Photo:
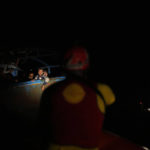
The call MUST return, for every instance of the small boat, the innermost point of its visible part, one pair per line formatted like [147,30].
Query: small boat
[24,97]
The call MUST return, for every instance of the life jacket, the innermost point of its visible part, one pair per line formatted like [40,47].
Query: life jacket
[77,112]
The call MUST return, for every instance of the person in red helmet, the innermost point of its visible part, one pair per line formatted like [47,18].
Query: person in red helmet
[72,111]
[76,59]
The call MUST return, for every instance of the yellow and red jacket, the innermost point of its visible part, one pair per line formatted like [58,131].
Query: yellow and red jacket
[77,112]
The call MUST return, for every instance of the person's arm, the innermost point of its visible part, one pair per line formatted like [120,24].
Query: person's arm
[107,93]
[46,83]
[36,77]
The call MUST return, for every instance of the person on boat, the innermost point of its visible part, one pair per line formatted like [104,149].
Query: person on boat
[46,80]
[40,75]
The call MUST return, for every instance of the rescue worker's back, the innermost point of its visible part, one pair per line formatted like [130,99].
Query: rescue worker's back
[74,109]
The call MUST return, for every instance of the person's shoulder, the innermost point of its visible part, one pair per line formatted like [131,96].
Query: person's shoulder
[107,92]
[103,85]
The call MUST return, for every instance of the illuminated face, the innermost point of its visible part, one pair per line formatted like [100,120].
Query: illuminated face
[40,72]
[31,75]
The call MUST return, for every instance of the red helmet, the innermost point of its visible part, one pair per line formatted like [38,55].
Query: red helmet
[76,59]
